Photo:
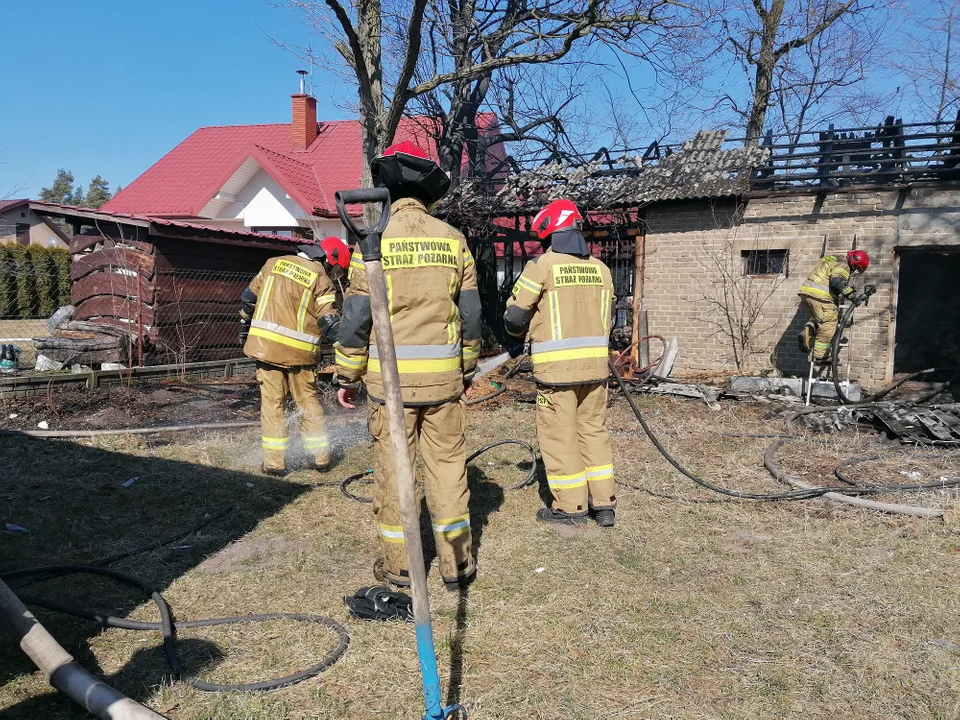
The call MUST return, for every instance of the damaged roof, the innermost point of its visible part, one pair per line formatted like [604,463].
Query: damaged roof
[699,168]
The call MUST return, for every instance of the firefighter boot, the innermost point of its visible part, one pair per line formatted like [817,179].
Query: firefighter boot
[558,517]
[606,518]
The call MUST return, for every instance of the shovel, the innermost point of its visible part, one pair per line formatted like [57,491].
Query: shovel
[369,241]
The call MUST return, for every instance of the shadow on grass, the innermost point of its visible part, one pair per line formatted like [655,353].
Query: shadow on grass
[72,501]
[486,497]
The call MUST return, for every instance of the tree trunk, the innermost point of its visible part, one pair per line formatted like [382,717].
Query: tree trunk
[761,101]
[373,117]
[766,64]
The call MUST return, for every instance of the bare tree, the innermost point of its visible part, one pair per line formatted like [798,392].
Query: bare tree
[382,43]
[930,59]
[738,300]
[765,37]
[824,81]
[12,190]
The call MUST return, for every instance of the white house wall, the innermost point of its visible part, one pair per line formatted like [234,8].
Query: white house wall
[263,203]
[325,227]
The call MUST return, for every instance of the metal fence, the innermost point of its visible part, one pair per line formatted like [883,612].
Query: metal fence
[115,315]
[501,257]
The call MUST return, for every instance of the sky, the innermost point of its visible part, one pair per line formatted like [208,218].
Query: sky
[110,86]
[108,92]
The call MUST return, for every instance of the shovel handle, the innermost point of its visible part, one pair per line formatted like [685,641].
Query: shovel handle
[368,238]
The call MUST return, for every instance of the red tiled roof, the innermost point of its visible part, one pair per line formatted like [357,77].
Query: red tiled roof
[186,178]
[10,204]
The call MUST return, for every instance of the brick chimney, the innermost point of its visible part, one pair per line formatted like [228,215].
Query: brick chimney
[304,127]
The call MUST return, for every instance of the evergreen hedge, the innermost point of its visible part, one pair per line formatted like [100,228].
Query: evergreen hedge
[34,281]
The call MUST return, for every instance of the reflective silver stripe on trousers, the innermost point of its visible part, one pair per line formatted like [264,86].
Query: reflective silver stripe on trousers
[285,331]
[569,344]
[421,352]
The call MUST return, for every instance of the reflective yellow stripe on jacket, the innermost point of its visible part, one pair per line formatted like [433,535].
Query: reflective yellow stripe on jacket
[570,349]
[284,336]
[420,358]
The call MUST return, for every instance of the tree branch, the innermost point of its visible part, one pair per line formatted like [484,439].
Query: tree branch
[817,30]
[402,92]
[359,62]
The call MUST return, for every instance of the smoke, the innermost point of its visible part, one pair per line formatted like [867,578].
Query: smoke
[345,430]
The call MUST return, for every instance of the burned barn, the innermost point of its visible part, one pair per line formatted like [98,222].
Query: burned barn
[717,239]
[149,291]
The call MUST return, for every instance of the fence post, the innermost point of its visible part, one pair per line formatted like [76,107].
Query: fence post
[826,157]
[139,317]
[639,262]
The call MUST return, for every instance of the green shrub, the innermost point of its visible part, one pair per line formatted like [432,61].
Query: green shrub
[45,280]
[26,281]
[61,261]
[34,281]
[8,284]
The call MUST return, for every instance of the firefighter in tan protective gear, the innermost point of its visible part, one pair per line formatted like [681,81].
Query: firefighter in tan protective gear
[565,297]
[284,314]
[821,292]
[435,314]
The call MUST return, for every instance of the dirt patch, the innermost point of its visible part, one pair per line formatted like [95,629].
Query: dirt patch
[142,405]
[262,553]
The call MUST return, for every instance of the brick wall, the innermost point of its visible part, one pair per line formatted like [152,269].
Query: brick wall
[693,279]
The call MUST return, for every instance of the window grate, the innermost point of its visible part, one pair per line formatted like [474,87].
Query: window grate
[766,262]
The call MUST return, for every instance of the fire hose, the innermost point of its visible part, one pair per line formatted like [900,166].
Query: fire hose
[836,345]
[528,479]
[804,491]
[168,627]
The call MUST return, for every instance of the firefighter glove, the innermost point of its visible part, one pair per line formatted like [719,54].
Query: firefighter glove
[244,330]
[516,350]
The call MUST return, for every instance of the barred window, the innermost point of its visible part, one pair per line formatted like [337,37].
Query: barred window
[766,262]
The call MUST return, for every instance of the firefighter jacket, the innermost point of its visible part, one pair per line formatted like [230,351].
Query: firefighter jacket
[567,301]
[434,311]
[829,280]
[292,294]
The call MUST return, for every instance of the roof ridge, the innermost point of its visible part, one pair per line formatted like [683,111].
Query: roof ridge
[282,155]
[245,125]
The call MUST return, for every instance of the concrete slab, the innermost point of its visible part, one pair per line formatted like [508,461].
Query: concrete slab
[792,386]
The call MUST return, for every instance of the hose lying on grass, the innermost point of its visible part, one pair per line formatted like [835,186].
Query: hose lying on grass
[804,491]
[528,479]
[168,627]
[62,671]
[132,431]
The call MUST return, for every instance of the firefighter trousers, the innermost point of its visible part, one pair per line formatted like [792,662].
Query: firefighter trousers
[824,314]
[575,445]
[275,384]
[437,431]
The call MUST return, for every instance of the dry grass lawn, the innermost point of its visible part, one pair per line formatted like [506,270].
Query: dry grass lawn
[692,607]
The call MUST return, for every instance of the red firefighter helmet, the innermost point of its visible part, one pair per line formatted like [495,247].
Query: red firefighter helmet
[558,215]
[407,148]
[337,252]
[858,260]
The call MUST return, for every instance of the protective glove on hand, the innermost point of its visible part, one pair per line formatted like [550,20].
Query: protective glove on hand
[516,350]
[244,330]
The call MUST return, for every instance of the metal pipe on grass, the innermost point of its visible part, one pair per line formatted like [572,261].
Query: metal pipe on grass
[58,665]
[369,240]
